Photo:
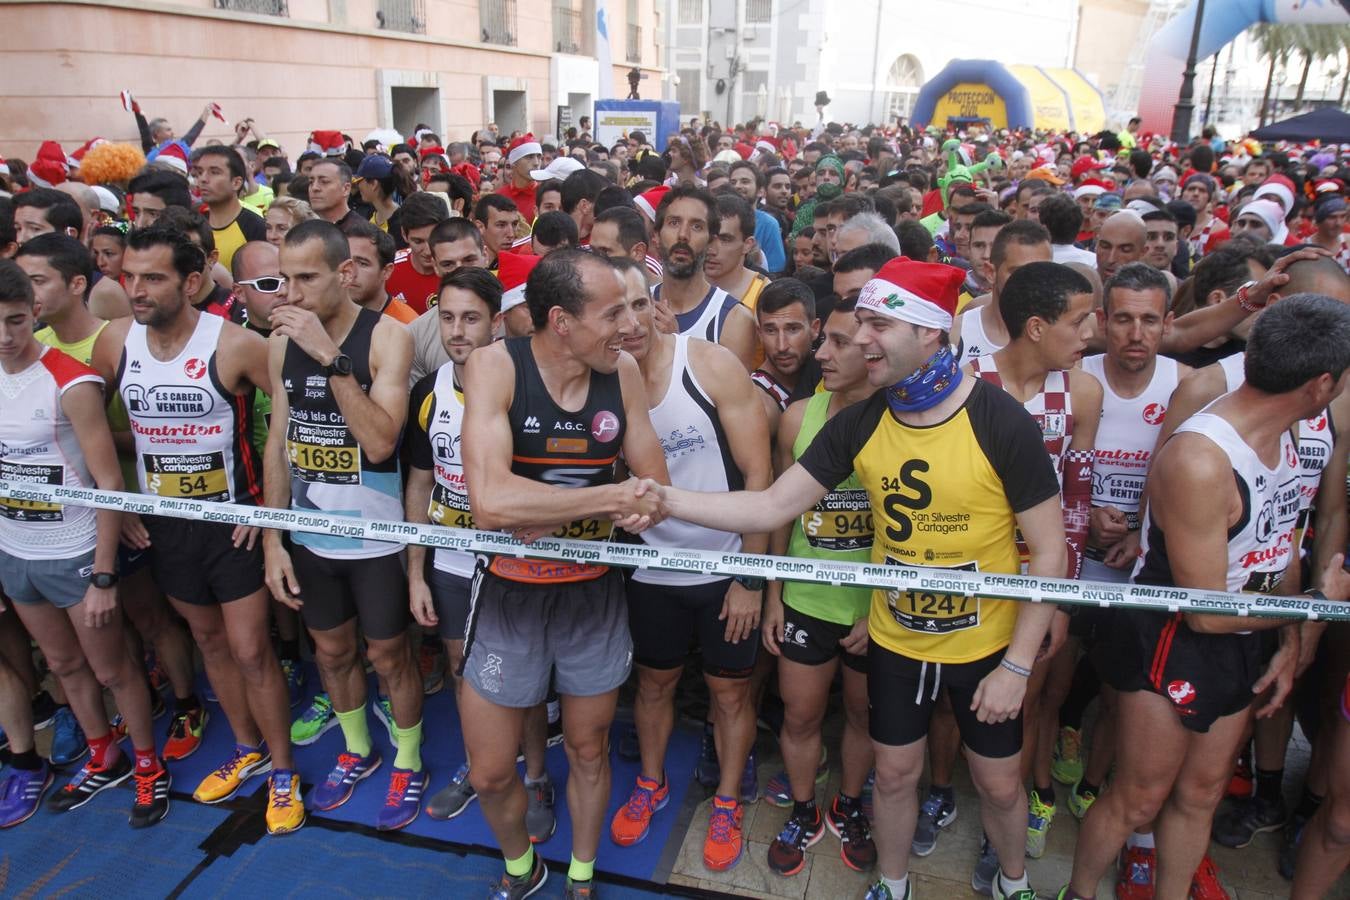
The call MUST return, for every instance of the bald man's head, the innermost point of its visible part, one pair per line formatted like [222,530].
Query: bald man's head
[255,260]
[1322,275]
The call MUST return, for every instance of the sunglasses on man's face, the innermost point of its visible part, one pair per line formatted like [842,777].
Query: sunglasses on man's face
[268,284]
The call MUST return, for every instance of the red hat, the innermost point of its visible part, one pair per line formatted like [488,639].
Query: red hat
[88,145]
[744,149]
[648,201]
[50,167]
[921,293]
[521,147]
[1084,164]
[469,171]
[1280,186]
[174,155]
[513,270]
[327,143]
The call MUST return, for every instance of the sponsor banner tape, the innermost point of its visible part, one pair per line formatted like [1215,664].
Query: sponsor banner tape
[642,556]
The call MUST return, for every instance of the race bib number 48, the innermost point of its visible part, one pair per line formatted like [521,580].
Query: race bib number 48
[449,508]
[323,454]
[934,611]
[199,476]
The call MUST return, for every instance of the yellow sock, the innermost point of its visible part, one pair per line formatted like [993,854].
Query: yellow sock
[581,871]
[521,865]
[356,730]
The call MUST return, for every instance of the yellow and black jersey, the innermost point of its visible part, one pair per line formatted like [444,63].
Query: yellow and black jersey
[942,495]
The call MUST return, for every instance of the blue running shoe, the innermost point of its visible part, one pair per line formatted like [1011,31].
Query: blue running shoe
[403,801]
[337,788]
[21,793]
[295,680]
[68,741]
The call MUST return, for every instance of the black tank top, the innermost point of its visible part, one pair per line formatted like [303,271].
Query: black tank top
[564,449]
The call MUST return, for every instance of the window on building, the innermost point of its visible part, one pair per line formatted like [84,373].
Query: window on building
[262,7]
[497,19]
[758,10]
[634,32]
[690,91]
[402,15]
[691,12]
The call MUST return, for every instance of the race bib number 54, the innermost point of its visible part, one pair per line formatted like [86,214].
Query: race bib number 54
[199,476]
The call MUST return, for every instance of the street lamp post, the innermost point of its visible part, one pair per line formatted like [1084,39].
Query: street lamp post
[1185,108]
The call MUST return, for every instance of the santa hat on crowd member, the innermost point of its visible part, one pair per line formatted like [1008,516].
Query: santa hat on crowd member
[648,201]
[1085,164]
[469,172]
[744,149]
[521,147]
[1268,211]
[1278,186]
[1328,186]
[1089,190]
[51,166]
[327,143]
[513,270]
[108,201]
[174,155]
[78,156]
[921,293]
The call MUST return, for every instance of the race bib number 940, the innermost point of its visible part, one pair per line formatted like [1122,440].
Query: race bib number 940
[842,521]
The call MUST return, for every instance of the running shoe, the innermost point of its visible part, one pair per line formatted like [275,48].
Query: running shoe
[1067,765]
[454,798]
[155,672]
[555,734]
[986,869]
[225,782]
[540,820]
[21,793]
[337,788]
[879,891]
[384,711]
[1002,893]
[750,779]
[580,890]
[1039,816]
[1289,841]
[185,733]
[285,812]
[1135,879]
[294,672]
[316,721]
[1205,883]
[1242,782]
[787,853]
[69,745]
[707,771]
[152,798]
[723,846]
[90,781]
[403,800]
[431,665]
[856,848]
[937,812]
[44,710]
[1239,824]
[778,792]
[1080,801]
[512,887]
[634,819]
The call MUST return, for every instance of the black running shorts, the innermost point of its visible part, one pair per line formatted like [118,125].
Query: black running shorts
[334,591]
[197,562]
[667,620]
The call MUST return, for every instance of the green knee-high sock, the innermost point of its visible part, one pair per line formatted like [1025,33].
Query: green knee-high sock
[409,747]
[356,730]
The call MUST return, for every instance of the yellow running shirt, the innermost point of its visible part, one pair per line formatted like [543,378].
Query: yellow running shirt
[942,495]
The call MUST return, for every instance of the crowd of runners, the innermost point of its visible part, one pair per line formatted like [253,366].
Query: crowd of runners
[1104,357]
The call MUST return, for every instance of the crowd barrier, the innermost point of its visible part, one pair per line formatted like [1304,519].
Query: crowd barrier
[887,577]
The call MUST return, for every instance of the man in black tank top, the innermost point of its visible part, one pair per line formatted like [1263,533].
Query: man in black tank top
[545,419]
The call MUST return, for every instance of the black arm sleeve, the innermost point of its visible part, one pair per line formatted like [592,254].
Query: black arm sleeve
[1012,442]
[829,458]
[415,437]
[143,126]
[194,132]
[252,225]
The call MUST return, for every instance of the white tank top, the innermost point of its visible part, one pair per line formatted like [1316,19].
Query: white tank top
[192,435]
[1260,542]
[699,459]
[975,341]
[449,504]
[37,443]
[1126,436]
[1051,407]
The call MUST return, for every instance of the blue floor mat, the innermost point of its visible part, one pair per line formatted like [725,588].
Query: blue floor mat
[91,851]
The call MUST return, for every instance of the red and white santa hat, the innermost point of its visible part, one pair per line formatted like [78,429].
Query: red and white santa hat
[327,143]
[51,166]
[174,155]
[513,270]
[1279,186]
[921,293]
[648,201]
[521,147]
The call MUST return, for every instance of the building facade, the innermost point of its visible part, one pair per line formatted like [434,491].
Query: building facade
[295,66]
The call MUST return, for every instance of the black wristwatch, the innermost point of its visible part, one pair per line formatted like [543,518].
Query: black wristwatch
[103,579]
[341,365]
[749,582]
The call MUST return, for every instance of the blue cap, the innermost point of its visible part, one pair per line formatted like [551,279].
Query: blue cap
[375,167]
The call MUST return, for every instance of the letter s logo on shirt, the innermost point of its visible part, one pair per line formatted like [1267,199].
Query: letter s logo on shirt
[896,503]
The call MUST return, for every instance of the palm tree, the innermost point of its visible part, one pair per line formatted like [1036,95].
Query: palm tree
[1316,43]
[1275,43]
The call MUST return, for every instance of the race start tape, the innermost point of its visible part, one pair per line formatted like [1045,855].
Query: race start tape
[641,556]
